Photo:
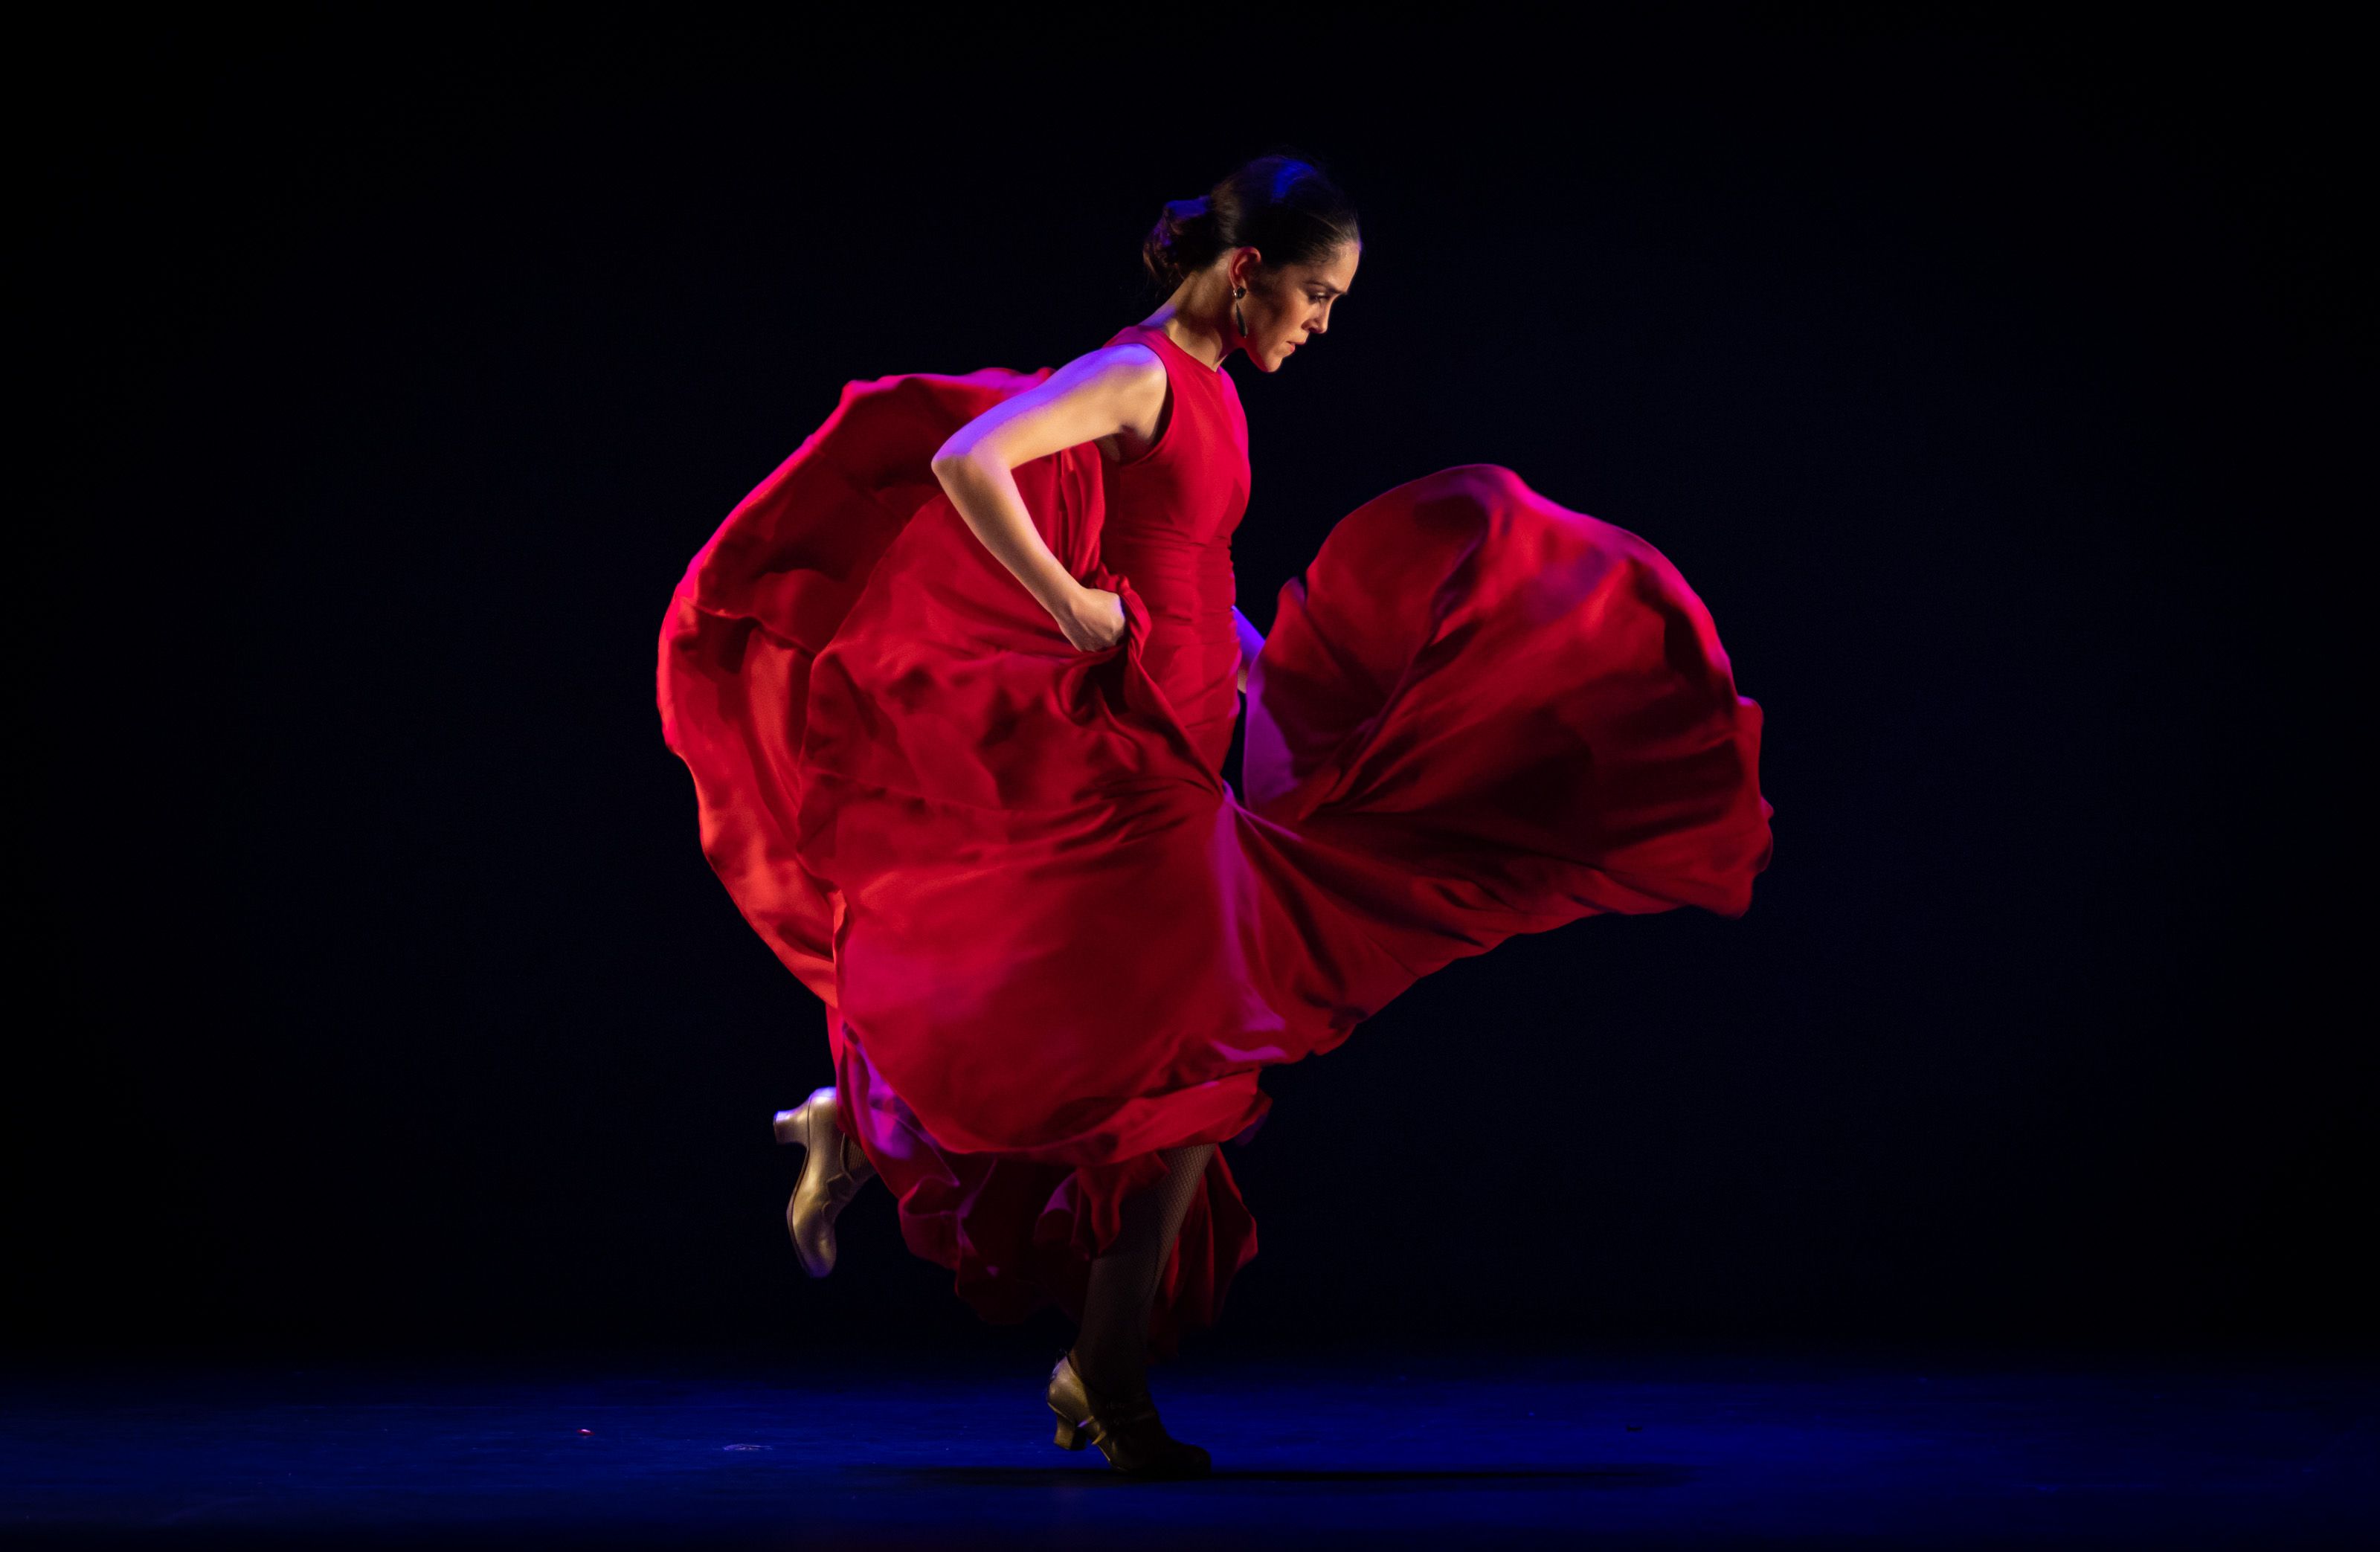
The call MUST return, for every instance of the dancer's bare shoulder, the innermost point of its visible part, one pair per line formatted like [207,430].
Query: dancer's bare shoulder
[1114,396]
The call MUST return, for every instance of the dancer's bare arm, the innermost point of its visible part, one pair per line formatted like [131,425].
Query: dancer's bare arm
[1121,388]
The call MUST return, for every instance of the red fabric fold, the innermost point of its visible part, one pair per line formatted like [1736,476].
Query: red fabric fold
[1050,939]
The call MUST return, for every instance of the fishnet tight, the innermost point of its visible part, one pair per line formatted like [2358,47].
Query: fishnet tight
[1111,1347]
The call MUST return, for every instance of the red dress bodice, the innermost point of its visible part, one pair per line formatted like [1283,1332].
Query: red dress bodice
[1171,514]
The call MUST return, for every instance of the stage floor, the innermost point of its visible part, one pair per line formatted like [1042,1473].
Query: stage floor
[1365,1450]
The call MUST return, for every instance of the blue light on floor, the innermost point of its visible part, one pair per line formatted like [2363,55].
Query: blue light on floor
[1386,1449]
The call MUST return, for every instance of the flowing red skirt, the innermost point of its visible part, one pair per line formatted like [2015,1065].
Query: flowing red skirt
[1050,937]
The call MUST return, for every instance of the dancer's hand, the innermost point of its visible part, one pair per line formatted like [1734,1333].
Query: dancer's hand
[1094,619]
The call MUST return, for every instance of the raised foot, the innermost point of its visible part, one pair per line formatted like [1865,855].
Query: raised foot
[830,1178]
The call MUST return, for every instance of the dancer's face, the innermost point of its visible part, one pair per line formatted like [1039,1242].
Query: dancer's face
[1287,307]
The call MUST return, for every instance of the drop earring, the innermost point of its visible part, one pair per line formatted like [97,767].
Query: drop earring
[1237,292]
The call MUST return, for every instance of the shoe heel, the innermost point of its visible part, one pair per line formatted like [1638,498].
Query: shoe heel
[793,1125]
[1069,1437]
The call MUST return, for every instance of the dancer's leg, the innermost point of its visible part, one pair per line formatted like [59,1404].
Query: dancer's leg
[1111,1347]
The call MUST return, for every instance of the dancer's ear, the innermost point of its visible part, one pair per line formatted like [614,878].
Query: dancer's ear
[1241,269]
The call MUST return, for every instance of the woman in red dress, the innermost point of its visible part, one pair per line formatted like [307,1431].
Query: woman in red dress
[955,684]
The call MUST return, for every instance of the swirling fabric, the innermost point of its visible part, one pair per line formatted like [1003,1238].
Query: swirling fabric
[1049,936]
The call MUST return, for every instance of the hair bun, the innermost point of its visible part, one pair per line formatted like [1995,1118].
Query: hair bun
[1181,216]
[1173,246]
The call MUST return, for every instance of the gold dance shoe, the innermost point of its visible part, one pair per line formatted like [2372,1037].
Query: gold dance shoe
[1127,1429]
[833,1171]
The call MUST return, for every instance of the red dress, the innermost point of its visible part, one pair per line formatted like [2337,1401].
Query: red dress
[1050,937]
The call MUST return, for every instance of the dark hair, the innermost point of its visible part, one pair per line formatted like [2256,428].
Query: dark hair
[1282,206]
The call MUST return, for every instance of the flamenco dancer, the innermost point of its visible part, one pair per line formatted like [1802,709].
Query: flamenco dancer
[955,684]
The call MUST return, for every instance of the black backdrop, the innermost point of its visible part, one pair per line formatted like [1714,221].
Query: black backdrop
[1991,382]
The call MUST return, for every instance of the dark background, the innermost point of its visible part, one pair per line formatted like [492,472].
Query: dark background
[1996,383]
